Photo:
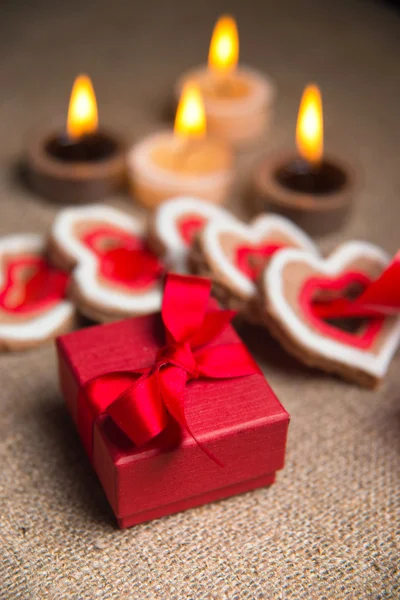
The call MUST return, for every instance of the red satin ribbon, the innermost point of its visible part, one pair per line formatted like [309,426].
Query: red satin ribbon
[141,408]
[380,298]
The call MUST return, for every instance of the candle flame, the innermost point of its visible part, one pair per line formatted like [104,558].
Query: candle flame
[310,128]
[82,111]
[190,120]
[224,47]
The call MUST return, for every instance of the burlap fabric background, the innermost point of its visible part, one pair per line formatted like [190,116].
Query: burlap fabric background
[329,528]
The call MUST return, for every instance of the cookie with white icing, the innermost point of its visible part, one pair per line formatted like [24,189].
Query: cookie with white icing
[33,304]
[174,225]
[233,254]
[114,273]
[359,350]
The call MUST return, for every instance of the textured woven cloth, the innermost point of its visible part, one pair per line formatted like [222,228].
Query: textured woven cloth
[329,527]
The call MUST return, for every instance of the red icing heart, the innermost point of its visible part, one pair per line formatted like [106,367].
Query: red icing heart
[123,258]
[189,227]
[251,259]
[31,284]
[336,288]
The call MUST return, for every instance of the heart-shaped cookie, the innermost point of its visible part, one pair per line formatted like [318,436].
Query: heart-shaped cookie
[33,307]
[234,254]
[114,273]
[294,282]
[174,225]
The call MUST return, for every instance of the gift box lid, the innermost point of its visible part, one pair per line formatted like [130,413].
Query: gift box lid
[240,420]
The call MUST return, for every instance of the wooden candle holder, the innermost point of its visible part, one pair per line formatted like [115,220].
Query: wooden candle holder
[76,172]
[318,200]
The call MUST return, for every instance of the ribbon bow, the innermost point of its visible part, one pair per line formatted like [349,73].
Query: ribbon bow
[141,410]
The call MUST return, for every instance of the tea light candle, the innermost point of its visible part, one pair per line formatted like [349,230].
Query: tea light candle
[237,100]
[183,161]
[310,188]
[84,163]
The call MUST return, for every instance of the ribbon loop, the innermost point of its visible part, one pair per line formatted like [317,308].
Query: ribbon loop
[139,411]
[184,305]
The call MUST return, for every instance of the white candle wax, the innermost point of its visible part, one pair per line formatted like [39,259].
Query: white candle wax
[164,165]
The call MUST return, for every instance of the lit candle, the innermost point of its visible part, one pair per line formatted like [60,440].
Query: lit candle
[183,161]
[80,164]
[311,188]
[237,100]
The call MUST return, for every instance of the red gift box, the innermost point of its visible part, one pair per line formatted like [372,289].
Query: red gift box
[237,420]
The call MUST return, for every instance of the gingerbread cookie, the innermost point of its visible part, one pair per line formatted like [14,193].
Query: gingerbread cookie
[234,254]
[33,308]
[114,274]
[174,225]
[295,284]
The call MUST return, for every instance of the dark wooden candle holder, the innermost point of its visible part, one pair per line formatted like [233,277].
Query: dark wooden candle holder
[76,171]
[317,199]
